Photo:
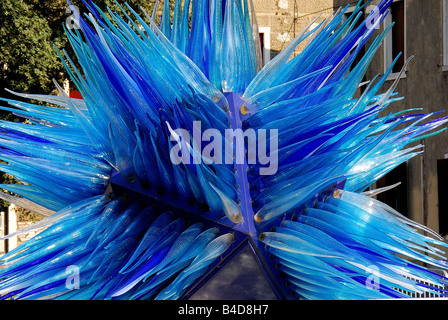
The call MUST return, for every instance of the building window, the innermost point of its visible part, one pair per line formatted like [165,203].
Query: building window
[445,35]
[397,197]
[265,41]
[442,185]
[362,51]
[395,41]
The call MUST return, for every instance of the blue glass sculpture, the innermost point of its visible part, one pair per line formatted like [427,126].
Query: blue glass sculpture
[149,188]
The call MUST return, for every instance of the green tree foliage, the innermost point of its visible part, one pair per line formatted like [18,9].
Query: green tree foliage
[27,59]
[29,30]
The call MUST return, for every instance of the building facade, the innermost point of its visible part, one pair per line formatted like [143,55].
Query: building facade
[279,21]
[421,31]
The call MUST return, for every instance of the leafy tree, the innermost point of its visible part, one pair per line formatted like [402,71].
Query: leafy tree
[27,58]
[28,31]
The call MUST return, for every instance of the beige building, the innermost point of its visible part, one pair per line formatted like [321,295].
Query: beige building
[421,30]
[280,20]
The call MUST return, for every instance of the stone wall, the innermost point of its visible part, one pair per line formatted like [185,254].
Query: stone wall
[425,85]
[26,236]
[18,218]
[286,18]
